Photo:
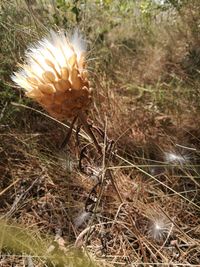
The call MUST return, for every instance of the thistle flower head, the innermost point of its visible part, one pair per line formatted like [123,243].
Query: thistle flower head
[54,74]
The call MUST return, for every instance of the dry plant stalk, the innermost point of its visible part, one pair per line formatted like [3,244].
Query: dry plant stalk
[54,75]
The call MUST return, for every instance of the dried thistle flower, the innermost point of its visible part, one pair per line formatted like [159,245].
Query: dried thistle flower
[54,74]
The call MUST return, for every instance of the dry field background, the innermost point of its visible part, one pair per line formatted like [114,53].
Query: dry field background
[144,64]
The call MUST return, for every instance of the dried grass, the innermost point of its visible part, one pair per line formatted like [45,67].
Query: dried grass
[136,217]
[145,210]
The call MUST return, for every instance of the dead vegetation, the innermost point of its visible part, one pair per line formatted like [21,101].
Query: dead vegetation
[135,207]
[138,204]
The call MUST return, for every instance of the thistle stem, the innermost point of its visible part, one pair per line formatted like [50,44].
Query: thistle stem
[69,133]
[83,120]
